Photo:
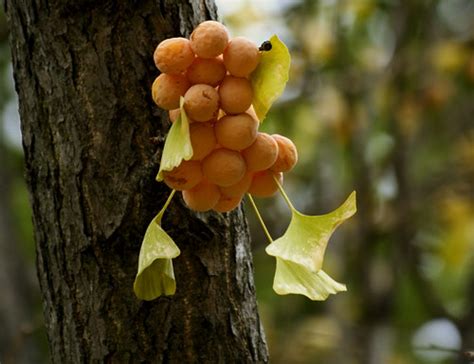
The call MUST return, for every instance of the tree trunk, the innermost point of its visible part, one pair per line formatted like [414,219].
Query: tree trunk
[83,72]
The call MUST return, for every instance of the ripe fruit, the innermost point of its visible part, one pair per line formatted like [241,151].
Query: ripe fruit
[187,175]
[235,94]
[287,154]
[236,132]
[263,184]
[262,154]
[239,188]
[202,197]
[201,102]
[167,89]
[230,157]
[209,39]
[226,204]
[209,71]
[241,57]
[173,55]
[203,140]
[224,167]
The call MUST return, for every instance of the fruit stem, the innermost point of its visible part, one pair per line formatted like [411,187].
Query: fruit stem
[283,193]
[260,219]
[165,206]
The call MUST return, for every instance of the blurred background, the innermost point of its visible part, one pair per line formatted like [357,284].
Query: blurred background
[381,101]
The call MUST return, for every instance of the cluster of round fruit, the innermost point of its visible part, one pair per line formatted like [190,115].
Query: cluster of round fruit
[230,156]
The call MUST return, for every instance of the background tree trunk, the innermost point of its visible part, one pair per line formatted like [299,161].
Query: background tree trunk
[83,72]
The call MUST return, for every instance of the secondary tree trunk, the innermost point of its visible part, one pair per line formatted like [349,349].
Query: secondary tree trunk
[83,73]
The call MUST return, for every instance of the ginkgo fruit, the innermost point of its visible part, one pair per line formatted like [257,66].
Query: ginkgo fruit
[224,167]
[173,55]
[236,132]
[209,71]
[187,175]
[202,197]
[262,154]
[235,94]
[239,188]
[203,139]
[287,154]
[241,57]
[201,102]
[263,183]
[209,39]
[167,89]
[226,203]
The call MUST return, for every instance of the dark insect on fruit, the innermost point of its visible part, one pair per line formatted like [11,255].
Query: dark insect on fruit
[266,46]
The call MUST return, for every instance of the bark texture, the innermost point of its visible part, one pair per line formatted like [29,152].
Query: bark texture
[83,72]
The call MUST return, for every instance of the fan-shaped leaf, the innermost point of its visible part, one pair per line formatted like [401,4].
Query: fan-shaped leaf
[177,144]
[292,278]
[270,77]
[155,275]
[306,238]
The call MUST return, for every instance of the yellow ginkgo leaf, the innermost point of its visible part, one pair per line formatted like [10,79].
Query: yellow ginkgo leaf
[270,77]
[177,144]
[292,278]
[155,275]
[306,238]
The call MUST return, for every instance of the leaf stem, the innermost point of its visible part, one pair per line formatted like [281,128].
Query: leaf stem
[260,219]
[283,193]
[165,206]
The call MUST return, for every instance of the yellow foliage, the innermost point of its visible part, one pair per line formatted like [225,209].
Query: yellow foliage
[457,247]
[449,56]
[408,116]
[319,41]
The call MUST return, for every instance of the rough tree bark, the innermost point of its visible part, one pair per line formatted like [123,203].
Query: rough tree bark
[83,72]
